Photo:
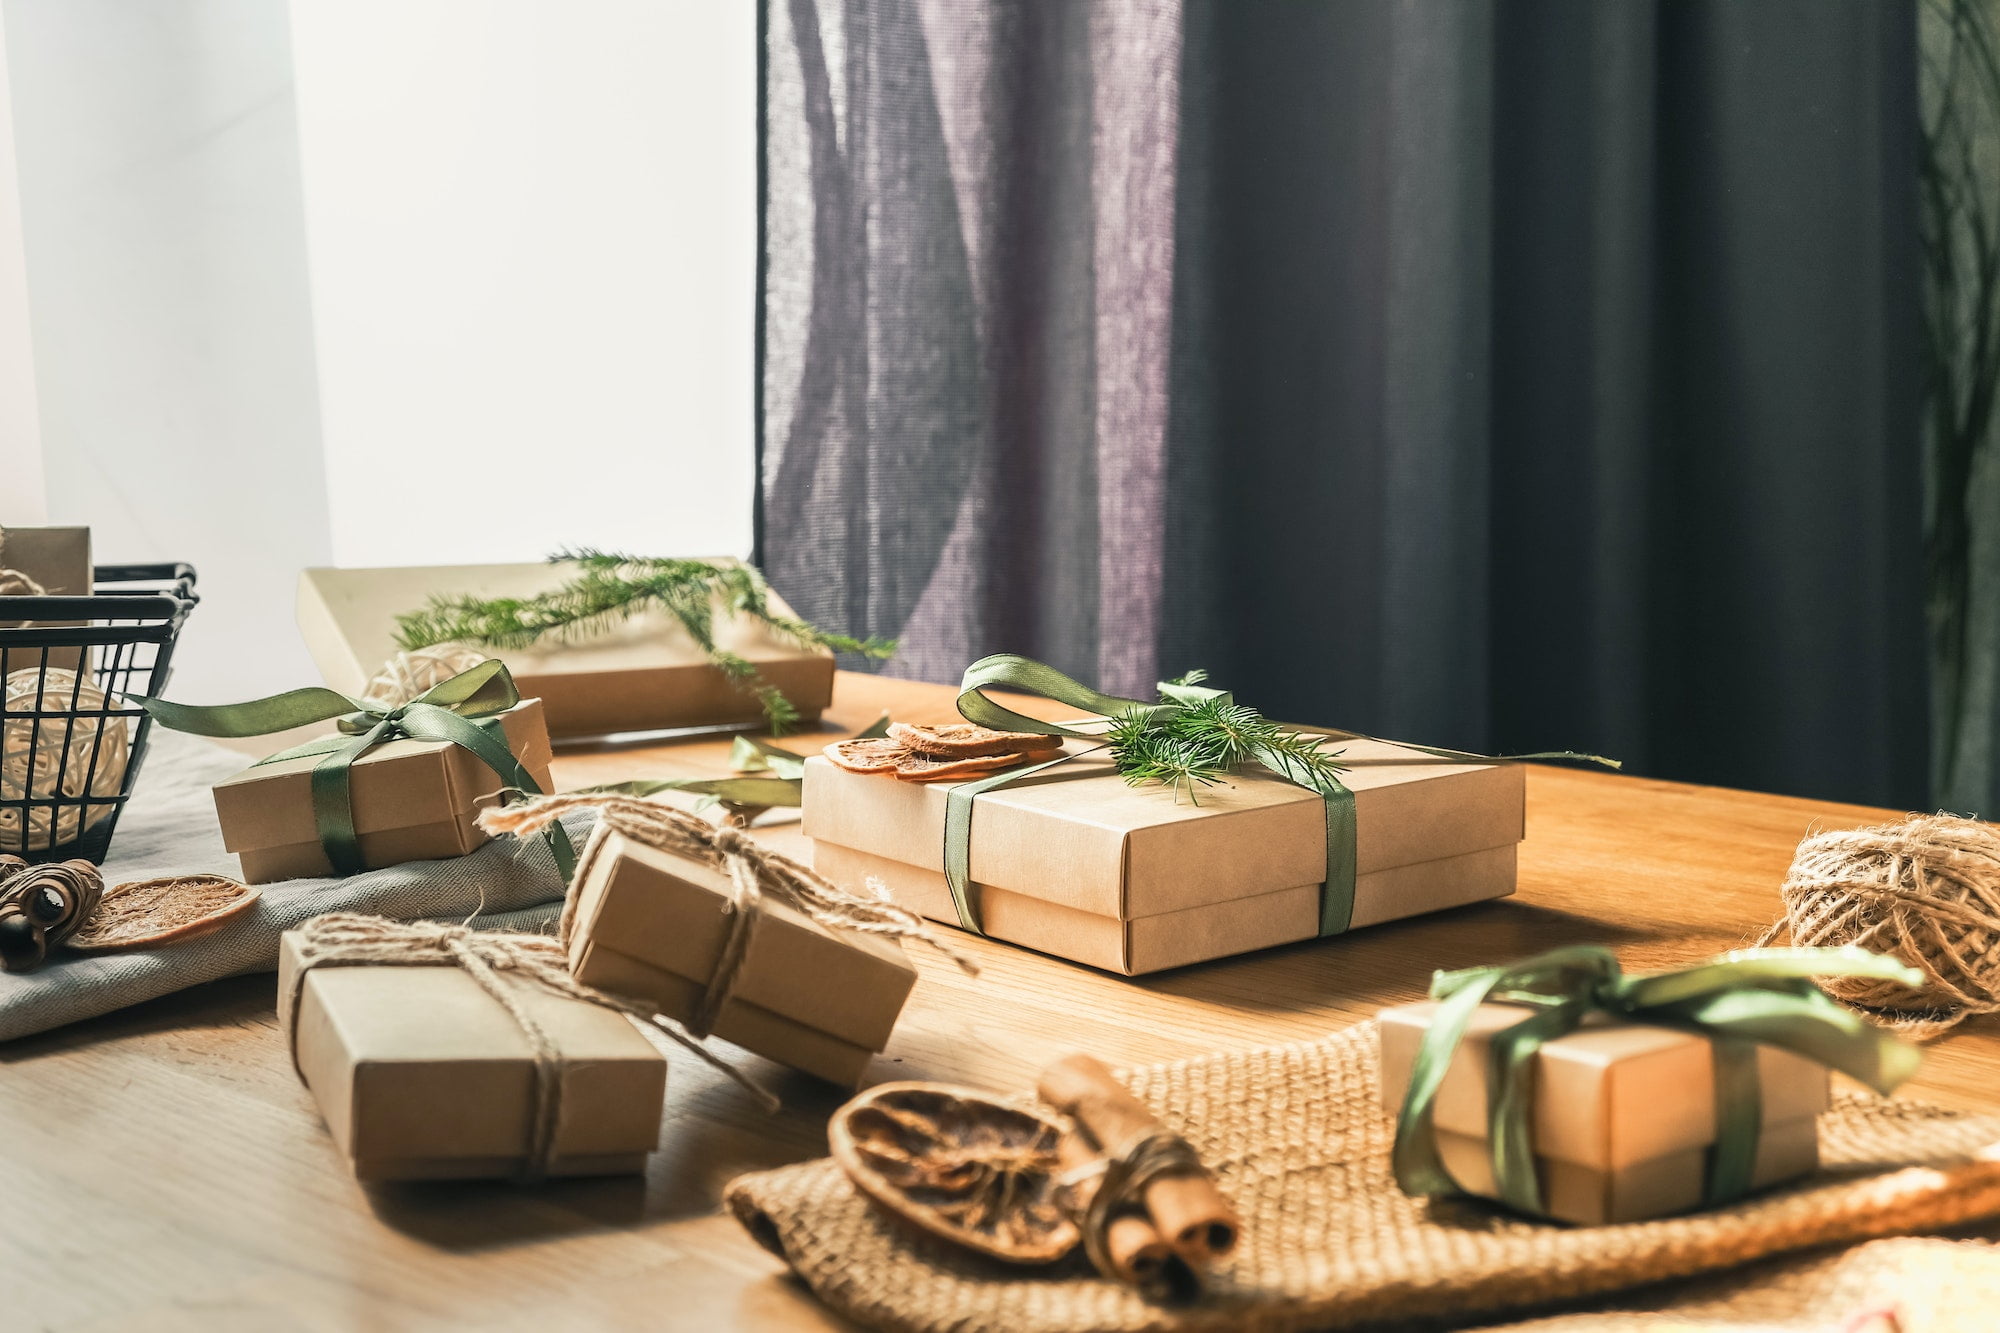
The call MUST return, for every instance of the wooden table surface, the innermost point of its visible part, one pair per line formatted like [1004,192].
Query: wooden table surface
[166,1171]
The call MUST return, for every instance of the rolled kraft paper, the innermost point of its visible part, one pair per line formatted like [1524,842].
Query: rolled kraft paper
[1187,1207]
[1139,1254]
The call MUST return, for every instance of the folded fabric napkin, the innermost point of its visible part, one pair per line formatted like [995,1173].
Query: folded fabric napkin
[169,829]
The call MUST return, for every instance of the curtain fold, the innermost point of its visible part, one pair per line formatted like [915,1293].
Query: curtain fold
[1501,376]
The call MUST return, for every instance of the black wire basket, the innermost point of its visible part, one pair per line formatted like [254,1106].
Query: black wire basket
[71,746]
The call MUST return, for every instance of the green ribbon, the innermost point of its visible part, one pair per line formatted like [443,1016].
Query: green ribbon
[1737,1000]
[463,711]
[768,777]
[1013,672]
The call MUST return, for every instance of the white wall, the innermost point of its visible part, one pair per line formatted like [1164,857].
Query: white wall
[167,298]
[23,496]
[533,236]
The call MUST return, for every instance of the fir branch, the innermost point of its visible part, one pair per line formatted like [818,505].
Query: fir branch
[609,588]
[1191,746]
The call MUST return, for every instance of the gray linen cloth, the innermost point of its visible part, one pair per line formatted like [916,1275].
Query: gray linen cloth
[169,828]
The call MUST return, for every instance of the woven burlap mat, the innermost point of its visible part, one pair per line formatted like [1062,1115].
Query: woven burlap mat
[1301,1144]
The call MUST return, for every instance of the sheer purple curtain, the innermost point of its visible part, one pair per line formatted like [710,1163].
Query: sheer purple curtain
[1512,376]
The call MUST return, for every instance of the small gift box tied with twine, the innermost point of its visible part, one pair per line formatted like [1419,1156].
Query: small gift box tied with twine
[1569,1089]
[1073,859]
[394,784]
[441,1052]
[729,937]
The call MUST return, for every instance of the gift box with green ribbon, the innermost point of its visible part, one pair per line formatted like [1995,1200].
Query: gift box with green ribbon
[1075,858]
[392,784]
[1569,1089]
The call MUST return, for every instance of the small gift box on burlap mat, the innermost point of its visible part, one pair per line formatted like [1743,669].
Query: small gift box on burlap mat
[1300,1142]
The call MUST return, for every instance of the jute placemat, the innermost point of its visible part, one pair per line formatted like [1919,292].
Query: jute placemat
[1299,1141]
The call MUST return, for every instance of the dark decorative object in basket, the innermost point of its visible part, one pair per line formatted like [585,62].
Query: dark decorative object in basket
[70,744]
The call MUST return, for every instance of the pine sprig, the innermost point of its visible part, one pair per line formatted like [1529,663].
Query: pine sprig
[611,587]
[1191,746]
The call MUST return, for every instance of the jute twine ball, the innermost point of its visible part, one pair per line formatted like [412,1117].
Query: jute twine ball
[407,675]
[33,764]
[13,583]
[1924,890]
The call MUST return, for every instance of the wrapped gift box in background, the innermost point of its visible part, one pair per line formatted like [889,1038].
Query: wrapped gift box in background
[412,800]
[652,924]
[1078,863]
[423,1075]
[58,562]
[645,674]
[1623,1114]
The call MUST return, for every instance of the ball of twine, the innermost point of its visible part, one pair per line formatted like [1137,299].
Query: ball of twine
[13,583]
[1924,890]
[35,765]
[408,674]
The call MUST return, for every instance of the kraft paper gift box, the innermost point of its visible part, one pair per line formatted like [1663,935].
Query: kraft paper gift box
[413,801]
[1077,863]
[1623,1114]
[645,675]
[422,1075]
[59,560]
[651,925]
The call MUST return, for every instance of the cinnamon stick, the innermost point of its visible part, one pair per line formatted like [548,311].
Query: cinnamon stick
[1135,1247]
[1185,1207]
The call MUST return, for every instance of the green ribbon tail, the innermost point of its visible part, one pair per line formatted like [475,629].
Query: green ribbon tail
[1739,1121]
[958,803]
[256,717]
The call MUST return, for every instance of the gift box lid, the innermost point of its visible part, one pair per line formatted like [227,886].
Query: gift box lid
[1081,836]
[419,1062]
[348,617]
[402,784]
[1606,1096]
[671,913]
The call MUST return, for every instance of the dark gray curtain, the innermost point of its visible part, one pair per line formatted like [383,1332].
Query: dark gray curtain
[1508,376]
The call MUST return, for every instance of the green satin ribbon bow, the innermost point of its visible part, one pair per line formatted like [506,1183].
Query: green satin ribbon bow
[1737,1000]
[1014,672]
[463,711]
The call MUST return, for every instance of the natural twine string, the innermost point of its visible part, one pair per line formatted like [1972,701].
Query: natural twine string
[753,870]
[13,583]
[1924,890]
[497,961]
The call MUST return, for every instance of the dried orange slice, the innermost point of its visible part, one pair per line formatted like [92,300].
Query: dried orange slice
[867,756]
[147,912]
[930,768]
[965,740]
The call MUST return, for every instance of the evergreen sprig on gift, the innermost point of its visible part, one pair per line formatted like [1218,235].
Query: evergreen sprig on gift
[611,587]
[1191,745]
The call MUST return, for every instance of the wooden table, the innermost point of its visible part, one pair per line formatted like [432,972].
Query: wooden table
[167,1172]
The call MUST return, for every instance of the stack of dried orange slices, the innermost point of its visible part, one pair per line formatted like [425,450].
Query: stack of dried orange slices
[942,753]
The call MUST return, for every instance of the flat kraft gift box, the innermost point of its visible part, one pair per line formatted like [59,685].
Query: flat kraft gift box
[652,925]
[58,559]
[1623,1114]
[422,1075]
[1078,863]
[413,801]
[645,675]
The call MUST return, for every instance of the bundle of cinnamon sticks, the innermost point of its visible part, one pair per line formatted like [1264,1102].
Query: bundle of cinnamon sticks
[1174,1222]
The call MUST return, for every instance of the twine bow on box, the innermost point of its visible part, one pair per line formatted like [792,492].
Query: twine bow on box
[755,873]
[463,711]
[499,961]
[1010,671]
[1737,1000]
